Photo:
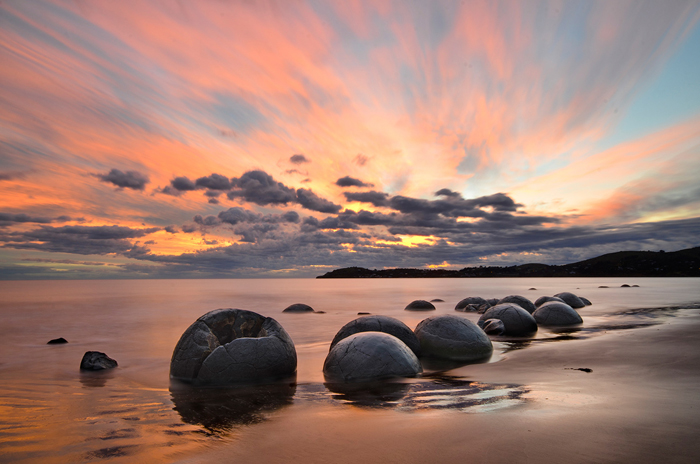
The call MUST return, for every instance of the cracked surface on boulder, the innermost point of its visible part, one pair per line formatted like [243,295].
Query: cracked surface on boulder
[367,356]
[377,323]
[473,301]
[516,320]
[554,313]
[571,299]
[454,338]
[228,346]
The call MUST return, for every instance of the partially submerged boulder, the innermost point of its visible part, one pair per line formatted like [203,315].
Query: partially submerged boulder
[571,299]
[57,341]
[516,320]
[228,346]
[474,301]
[554,313]
[383,324]
[586,301]
[96,361]
[368,356]
[420,305]
[521,301]
[298,308]
[543,299]
[452,337]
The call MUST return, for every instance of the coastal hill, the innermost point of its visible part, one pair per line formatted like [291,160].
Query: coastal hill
[682,263]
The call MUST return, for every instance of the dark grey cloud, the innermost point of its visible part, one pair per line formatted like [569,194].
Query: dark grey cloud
[260,188]
[236,215]
[299,159]
[170,229]
[348,181]
[214,182]
[361,160]
[311,224]
[182,184]
[448,193]
[189,228]
[12,175]
[129,179]
[7,219]
[207,221]
[375,198]
[309,200]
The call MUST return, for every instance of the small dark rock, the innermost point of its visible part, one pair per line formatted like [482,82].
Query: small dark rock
[361,313]
[635,285]
[533,288]
[603,286]
[57,341]
[420,305]
[586,301]
[320,312]
[96,361]
[544,299]
[298,308]
[437,300]
[582,369]
[624,286]
[571,299]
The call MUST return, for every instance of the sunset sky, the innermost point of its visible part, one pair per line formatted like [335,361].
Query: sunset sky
[290,138]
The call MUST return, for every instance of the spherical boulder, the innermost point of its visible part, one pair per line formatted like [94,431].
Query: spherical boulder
[474,301]
[298,308]
[585,301]
[554,313]
[228,346]
[492,301]
[452,337]
[96,361]
[420,305]
[368,356]
[516,320]
[543,299]
[376,323]
[494,327]
[521,301]
[571,299]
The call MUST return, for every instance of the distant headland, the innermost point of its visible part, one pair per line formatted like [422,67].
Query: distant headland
[682,263]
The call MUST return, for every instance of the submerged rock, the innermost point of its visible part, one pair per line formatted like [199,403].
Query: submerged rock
[454,338]
[367,356]
[227,346]
[474,301]
[571,299]
[96,361]
[57,341]
[383,324]
[543,299]
[298,308]
[521,301]
[420,305]
[554,313]
[516,320]
[494,327]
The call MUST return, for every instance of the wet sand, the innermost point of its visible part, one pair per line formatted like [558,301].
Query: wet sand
[639,403]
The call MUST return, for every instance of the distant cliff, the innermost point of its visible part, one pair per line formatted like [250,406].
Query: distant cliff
[683,263]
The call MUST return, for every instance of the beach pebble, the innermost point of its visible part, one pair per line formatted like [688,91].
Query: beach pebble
[494,327]
[554,313]
[571,299]
[227,346]
[475,301]
[57,341]
[543,299]
[521,301]
[420,305]
[96,361]
[383,324]
[516,320]
[367,356]
[298,308]
[454,338]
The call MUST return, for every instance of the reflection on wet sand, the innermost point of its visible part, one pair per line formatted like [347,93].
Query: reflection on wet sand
[95,379]
[219,409]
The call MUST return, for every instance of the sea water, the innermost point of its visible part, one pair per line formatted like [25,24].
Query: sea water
[50,411]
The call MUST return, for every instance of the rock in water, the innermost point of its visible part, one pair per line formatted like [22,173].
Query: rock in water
[571,299]
[494,327]
[476,301]
[521,301]
[57,341]
[454,338]
[298,308]
[420,305]
[228,346]
[367,356]
[516,320]
[543,299]
[96,361]
[383,324]
[585,301]
[554,313]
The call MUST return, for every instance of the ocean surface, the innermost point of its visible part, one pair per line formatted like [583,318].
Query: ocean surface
[50,411]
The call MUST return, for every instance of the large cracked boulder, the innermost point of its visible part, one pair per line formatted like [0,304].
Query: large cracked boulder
[521,301]
[554,313]
[452,337]
[420,305]
[516,320]
[368,356]
[228,346]
[383,324]
[571,299]
[544,299]
[470,301]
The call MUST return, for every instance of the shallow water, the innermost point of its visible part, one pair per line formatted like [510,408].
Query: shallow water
[51,412]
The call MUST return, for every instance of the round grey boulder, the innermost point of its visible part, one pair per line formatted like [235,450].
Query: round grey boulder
[521,301]
[571,299]
[298,308]
[383,324]
[492,301]
[494,327]
[554,313]
[585,301]
[543,299]
[420,305]
[516,320]
[96,361]
[474,301]
[368,356]
[452,337]
[228,346]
